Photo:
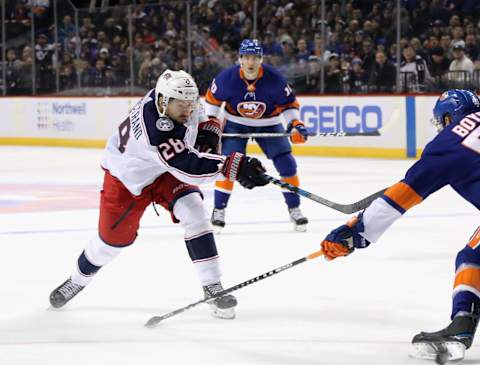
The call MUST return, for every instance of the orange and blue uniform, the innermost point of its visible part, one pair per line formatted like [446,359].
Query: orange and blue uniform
[451,158]
[255,106]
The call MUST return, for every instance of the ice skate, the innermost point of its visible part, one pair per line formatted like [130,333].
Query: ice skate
[218,220]
[448,344]
[222,307]
[299,220]
[64,293]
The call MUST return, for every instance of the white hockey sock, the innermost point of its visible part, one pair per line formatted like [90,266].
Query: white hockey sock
[98,254]
[208,271]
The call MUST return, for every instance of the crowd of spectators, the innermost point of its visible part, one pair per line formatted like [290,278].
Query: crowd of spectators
[439,44]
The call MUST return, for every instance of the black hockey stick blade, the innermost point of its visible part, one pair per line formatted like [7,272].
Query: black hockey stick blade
[344,208]
[155,320]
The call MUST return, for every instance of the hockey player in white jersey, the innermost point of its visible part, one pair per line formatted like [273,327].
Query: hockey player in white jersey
[155,158]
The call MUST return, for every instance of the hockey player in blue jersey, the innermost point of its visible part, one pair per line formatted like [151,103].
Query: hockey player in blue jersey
[256,97]
[451,158]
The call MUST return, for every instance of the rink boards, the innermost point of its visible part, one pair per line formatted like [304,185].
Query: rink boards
[402,123]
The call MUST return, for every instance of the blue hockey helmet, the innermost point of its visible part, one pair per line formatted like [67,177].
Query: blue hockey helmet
[455,104]
[250,47]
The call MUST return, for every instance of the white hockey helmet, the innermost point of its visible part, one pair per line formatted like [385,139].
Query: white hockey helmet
[177,85]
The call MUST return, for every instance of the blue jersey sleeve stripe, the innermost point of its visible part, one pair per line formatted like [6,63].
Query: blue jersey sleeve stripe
[393,204]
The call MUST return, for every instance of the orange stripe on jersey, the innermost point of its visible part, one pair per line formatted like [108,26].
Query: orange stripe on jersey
[292,180]
[469,276]
[209,98]
[224,184]
[475,239]
[403,195]
[279,109]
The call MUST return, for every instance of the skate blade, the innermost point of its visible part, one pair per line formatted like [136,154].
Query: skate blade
[427,351]
[300,227]
[228,313]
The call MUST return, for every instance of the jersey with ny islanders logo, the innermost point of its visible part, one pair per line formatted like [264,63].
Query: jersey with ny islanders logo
[451,158]
[147,146]
[254,103]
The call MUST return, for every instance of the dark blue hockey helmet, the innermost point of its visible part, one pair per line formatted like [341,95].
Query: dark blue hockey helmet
[454,104]
[250,47]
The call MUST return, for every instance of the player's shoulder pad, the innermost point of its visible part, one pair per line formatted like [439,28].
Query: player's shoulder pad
[160,129]
[272,73]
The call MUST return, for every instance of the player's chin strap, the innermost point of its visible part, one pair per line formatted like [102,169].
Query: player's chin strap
[344,208]
[155,320]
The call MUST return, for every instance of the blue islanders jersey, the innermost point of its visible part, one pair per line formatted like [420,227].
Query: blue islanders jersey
[451,158]
[254,103]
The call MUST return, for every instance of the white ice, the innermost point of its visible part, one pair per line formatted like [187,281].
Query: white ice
[363,309]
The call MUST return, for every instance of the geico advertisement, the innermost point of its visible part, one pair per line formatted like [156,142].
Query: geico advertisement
[97,118]
[363,114]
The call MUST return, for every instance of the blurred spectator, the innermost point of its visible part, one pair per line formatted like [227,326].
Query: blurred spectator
[25,79]
[383,75]
[357,78]
[95,76]
[415,74]
[66,30]
[317,49]
[368,55]
[12,72]
[333,76]
[44,64]
[446,44]
[471,47]
[439,64]
[302,52]
[111,81]
[460,61]
[67,77]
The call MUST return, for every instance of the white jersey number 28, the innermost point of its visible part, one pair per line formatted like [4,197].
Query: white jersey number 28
[170,148]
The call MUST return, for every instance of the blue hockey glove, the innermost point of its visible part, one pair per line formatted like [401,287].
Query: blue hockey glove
[343,240]
[298,130]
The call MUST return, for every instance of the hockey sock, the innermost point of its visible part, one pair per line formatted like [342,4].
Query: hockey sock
[203,252]
[291,199]
[287,168]
[223,190]
[467,283]
[96,254]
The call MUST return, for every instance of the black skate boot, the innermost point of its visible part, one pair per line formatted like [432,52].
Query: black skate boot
[64,293]
[299,220]
[450,343]
[222,307]
[218,219]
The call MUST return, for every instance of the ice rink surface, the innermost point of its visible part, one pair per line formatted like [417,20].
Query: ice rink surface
[363,309]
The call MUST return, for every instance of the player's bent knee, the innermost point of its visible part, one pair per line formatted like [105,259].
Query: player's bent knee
[100,253]
[194,218]
[285,165]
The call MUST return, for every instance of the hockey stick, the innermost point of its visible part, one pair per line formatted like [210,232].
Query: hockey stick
[314,134]
[155,320]
[344,208]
